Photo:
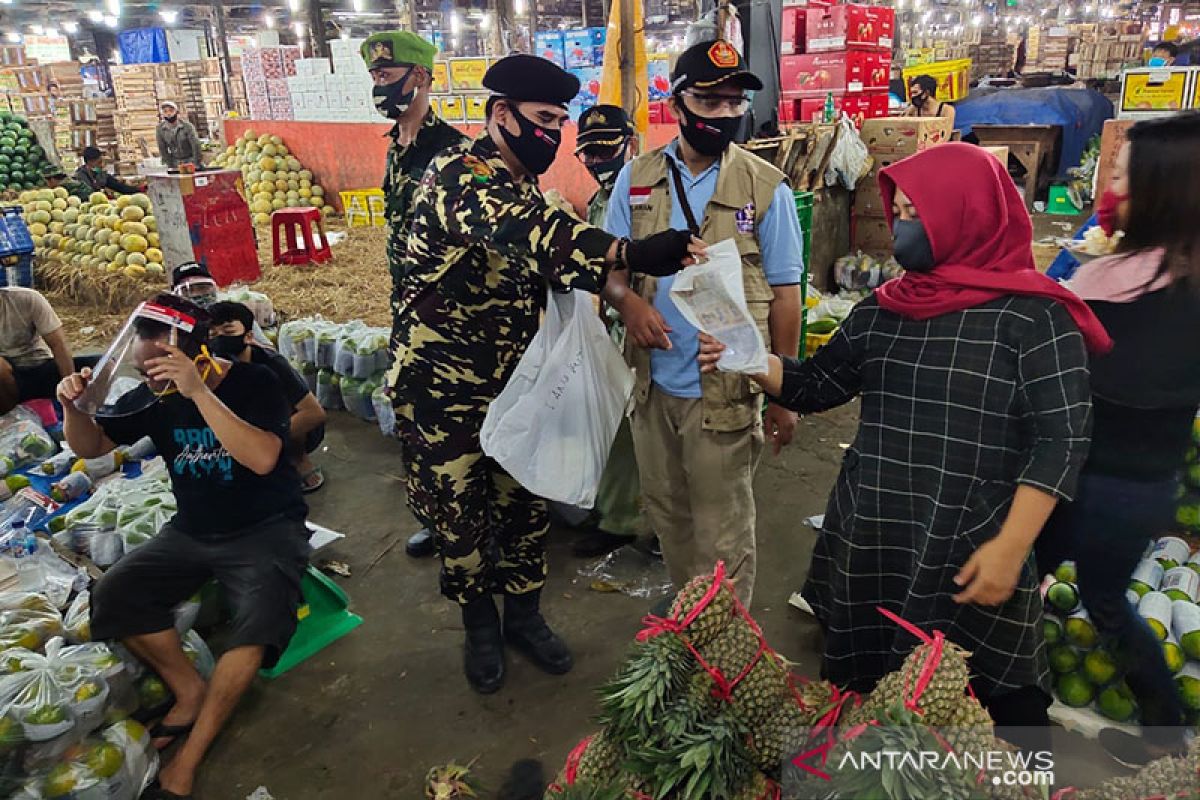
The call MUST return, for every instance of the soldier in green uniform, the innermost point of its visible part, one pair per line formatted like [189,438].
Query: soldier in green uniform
[401,64]
[604,144]
[484,246]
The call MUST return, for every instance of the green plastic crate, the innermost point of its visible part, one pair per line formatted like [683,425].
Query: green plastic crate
[1060,202]
[804,210]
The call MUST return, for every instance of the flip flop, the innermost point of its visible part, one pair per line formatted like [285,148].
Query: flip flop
[156,792]
[171,732]
[305,488]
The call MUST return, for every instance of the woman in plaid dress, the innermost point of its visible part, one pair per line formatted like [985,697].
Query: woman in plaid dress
[972,369]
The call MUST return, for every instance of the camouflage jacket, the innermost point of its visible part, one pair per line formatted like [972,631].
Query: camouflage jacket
[483,248]
[405,165]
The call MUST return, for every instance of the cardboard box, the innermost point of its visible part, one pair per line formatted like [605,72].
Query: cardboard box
[868,201]
[845,71]
[904,136]
[861,107]
[871,235]
[578,48]
[792,31]
[550,47]
[849,25]
[454,109]
[1000,152]
[441,78]
[476,107]
[466,74]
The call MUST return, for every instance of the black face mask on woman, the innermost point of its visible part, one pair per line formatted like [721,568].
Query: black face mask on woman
[912,248]
[535,146]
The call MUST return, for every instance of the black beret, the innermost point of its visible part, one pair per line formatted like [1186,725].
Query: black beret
[527,78]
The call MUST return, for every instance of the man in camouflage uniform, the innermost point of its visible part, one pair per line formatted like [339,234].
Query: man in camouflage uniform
[484,246]
[401,64]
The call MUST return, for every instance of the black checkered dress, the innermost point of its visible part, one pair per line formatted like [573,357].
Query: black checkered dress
[956,411]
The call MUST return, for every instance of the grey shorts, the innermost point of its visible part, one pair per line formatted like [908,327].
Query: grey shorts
[258,569]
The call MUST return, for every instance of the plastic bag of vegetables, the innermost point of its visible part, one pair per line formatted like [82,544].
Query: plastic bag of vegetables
[24,443]
[117,764]
[385,413]
[28,620]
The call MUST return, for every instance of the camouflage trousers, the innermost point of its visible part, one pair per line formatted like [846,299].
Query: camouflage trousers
[490,531]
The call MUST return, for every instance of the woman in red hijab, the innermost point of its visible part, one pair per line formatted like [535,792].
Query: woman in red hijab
[972,369]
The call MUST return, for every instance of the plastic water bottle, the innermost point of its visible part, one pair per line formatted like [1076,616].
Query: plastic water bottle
[25,553]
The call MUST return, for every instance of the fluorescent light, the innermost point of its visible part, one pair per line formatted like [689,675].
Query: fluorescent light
[113,6]
[298,28]
[52,32]
[269,19]
[357,5]
[111,21]
[71,26]
[455,23]
[37,30]
[977,20]
[115,57]
[12,36]
[519,8]
[293,6]
[454,43]
[96,16]
[169,16]
[485,22]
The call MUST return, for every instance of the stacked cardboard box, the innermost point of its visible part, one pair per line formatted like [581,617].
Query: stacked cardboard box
[1048,48]
[92,124]
[137,114]
[191,98]
[333,90]
[1105,49]
[846,53]
[265,72]
[212,92]
[888,141]
[990,53]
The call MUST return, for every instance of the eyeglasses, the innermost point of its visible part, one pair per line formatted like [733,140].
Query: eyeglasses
[738,104]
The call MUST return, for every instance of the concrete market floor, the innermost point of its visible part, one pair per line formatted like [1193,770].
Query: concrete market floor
[369,715]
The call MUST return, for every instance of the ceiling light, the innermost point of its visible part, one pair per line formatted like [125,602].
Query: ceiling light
[71,26]
[12,36]
[519,8]
[111,21]
[485,22]
[293,6]
[96,16]
[113,6]
[169,17]
[298,28]
[454,43]
[455,23]
[36,30]
[357,5]
[269,19]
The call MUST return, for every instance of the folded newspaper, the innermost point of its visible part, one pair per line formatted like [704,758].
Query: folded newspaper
[712,297]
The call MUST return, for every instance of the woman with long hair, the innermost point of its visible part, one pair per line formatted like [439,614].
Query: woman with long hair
[1145,394]
[972,369]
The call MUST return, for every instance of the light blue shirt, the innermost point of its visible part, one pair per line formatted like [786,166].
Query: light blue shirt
[676,371]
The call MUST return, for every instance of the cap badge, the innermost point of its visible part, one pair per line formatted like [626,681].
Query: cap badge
[381,51]
[722,55]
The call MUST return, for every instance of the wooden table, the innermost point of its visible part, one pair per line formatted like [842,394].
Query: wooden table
[1035,146]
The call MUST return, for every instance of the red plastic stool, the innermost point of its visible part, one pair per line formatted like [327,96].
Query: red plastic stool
[314,251]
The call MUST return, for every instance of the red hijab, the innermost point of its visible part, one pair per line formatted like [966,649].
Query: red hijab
[980,235]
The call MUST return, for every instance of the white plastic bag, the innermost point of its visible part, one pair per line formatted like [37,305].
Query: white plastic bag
[850,159]
[554,423]
[712,297]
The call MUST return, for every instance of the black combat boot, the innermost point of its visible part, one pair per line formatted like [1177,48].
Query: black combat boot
[483,653]
[526,629]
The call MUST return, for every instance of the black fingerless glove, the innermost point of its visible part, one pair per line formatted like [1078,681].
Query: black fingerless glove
[659,255]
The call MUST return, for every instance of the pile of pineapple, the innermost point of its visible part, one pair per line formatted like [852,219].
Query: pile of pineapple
[99,234]
[1168,778]
[273,178]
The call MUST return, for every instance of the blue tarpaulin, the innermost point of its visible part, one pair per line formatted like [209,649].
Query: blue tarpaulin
[1080,112]
[143,46]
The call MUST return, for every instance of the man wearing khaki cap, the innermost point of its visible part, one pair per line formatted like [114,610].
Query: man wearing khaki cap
[177,139]
[401,64]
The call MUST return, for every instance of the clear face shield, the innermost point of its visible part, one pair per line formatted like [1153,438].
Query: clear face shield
[119,385]
[201,291]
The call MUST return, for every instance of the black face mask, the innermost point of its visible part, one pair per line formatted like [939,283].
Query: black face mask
[919,98]
[391,100]
[711,136]
[227,346]
[912,248]
[605,172]
[535,147]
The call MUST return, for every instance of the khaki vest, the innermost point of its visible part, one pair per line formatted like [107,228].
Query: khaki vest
[730,402]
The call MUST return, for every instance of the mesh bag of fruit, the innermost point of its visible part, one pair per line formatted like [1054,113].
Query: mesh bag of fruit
[28,620]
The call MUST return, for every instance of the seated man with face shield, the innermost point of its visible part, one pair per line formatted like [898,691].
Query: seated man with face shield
[193,281]
[222,428]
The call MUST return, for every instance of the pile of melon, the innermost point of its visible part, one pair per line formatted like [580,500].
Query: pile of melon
[273,178]
[21,157]
[100,235]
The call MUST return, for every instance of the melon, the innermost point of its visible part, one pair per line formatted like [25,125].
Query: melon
[135,228]
[260,220]
[136,259]
[154,255]
[152,238]
[135,270]
[98,198]
[37,229]
[61,193]
[59,203]
[123,201]
[132,213]
[74,202]
[266,164]
[134,243]
[142,201]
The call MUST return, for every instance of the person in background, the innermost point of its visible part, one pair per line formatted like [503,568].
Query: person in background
[1145,393]
[485,245]
[698,439]
[34,354]
[401,66]
[233,326]
[1164,54]
[924,103]
[178,142]
[192,281]
[973,375]
[92,177]
[604,144]
[222,430]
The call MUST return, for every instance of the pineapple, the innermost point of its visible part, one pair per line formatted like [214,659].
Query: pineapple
[817,697]
[713,619]
[1164,777]
[762,690]
[780,737]
[653,675]
[759,788]
[969,728]
[600,761]
[942,696]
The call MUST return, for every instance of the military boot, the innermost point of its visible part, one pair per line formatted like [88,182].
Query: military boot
[526,629]
[483,653]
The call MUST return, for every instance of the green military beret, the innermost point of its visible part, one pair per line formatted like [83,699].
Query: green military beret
[53,171]
[397,49]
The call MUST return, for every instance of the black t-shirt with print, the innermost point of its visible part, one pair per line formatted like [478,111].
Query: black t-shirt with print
[294,387]
[216,495]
